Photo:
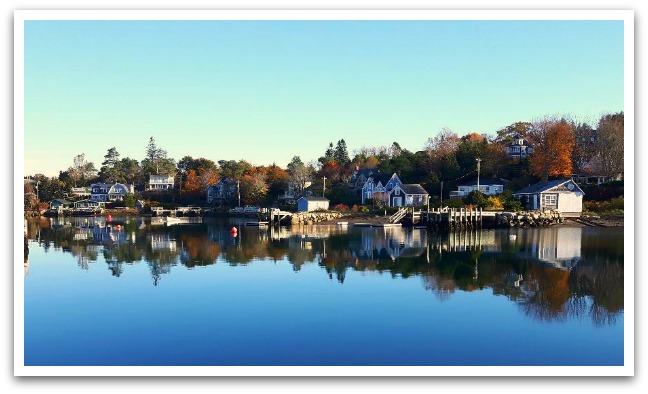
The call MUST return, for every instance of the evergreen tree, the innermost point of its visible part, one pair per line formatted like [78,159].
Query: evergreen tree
[341,155]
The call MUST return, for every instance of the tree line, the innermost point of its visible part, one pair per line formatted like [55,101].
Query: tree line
[561,147]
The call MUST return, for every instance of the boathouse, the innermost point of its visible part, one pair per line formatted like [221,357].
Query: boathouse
[408,195]
[308,204]
[562,195]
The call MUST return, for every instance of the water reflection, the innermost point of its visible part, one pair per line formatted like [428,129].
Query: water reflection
[551,274]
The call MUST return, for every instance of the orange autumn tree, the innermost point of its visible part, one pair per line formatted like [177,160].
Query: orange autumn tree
[191,184]
[553,142]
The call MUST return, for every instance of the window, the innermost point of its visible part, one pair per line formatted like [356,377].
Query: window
[549,199]
[397,192]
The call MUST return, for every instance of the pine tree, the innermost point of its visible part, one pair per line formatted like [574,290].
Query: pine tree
[341,155]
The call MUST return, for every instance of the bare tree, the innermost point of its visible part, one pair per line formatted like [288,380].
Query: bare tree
[609,145]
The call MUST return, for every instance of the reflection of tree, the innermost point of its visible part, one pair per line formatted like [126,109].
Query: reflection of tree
[198,250]
[546,291]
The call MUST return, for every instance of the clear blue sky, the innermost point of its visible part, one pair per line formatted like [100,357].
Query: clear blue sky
[265,91]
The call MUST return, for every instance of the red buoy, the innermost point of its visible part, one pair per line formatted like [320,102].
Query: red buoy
[108,218]
[117,227]
[233,230]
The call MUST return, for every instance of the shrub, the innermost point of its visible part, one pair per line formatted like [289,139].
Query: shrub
[453,203]
[494,202]
[512,205]
[612,206]
[341,208]
[476,198]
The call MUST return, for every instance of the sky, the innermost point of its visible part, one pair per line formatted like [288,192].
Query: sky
[265,91]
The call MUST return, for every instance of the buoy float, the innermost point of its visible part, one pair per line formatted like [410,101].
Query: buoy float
[117,227]
[108,218]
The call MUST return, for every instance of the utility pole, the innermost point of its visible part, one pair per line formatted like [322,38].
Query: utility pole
[478,168]
[324,188]
[238,191]
[478,160]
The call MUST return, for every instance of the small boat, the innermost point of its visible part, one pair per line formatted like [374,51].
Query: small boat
[342,223]
[259,224]
[168,220]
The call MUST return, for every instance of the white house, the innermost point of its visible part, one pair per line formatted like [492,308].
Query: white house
[519,148]
[81,191]
[160,182]
[562,195]
[110,192]
[307,204]
[488,186]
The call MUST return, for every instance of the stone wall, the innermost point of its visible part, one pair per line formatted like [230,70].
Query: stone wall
[302,218]
[528,219]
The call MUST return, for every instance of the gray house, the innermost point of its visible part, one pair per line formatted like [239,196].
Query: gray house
[222,193]
[562,195]
[408,195]
[307,204]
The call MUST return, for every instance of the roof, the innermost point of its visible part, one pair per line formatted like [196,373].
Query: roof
[312,198]
[380,177]
[367,171]
[516,137]
[61,200]
[413,188]
[485,181]
[543,186]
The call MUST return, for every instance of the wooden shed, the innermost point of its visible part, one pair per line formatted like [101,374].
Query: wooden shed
[307,204]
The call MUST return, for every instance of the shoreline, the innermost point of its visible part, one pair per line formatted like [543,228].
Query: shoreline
[355,218]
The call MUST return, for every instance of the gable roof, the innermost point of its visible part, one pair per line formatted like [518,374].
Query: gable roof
[61,200]
[516,137]
[544,186]
[366,172]
[413,188]
[380,177]
[312,198]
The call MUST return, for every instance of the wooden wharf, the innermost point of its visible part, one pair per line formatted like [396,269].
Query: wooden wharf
[445,217]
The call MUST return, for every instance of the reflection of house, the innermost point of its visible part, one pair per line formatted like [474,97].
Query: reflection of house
[392,243]
[222,192]
[307,204]
[110,192]
[562,195]
[488,186]
[519,148]
[160,182]
[556,246]
[161,242]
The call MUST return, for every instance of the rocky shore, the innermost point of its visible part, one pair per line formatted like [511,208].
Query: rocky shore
[598,220]
[528,219]
[305,218]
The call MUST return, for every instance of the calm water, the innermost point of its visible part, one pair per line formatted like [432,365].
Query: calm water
[192,294]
